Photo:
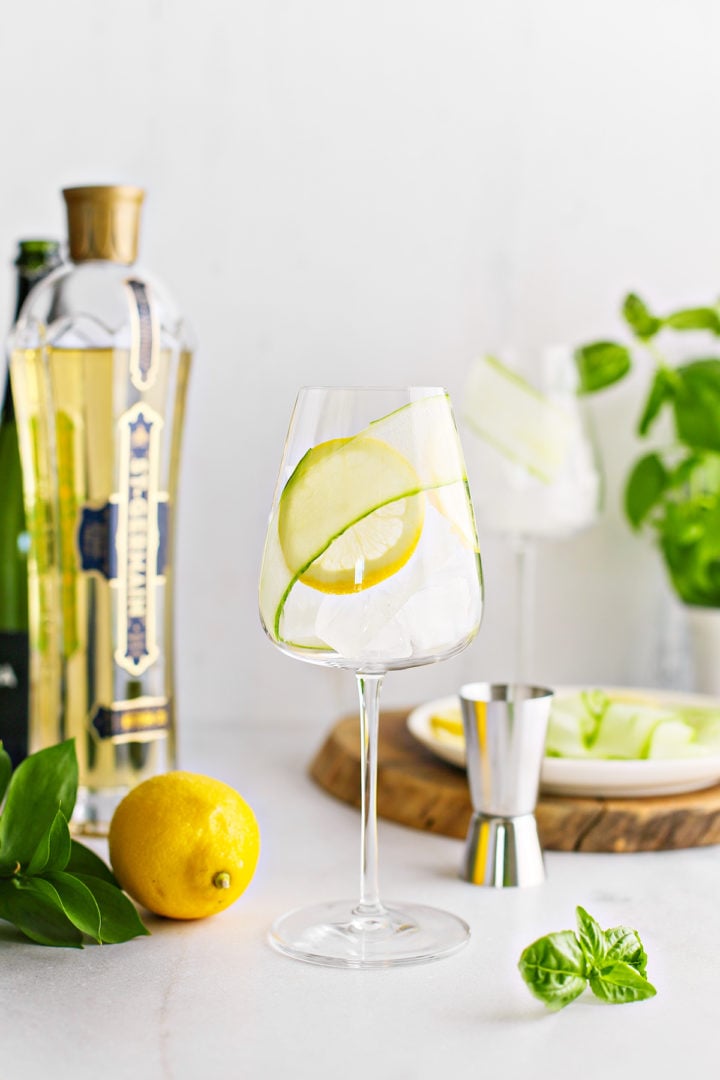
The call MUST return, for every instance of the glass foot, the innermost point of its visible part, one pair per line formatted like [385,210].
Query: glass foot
[344,934]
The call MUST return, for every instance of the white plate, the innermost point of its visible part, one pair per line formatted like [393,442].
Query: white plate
[594,778]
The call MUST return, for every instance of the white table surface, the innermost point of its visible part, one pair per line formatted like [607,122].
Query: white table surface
[212,999]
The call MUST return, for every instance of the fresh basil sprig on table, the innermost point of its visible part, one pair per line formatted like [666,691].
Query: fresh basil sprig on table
[674,491]
[558,967]
[52,888]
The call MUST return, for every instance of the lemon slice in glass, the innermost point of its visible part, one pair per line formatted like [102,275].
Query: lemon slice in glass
[351,514]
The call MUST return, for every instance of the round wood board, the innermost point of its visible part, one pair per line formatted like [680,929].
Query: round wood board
[417,789]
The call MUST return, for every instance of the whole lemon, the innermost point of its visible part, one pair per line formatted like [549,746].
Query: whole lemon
[184,845]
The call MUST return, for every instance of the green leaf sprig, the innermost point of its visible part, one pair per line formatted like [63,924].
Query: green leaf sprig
[675,492]
[558,967]
[53,889]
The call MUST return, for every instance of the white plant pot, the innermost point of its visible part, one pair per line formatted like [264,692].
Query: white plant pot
[704,637]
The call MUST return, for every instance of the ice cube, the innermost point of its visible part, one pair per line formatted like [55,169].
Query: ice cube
[351,624]
[440,615]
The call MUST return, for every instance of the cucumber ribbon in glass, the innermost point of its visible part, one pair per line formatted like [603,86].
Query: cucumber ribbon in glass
[352,512]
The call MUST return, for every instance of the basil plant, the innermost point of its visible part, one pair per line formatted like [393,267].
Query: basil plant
[674,493]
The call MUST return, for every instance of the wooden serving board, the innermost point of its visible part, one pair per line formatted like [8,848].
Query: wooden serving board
[417,789]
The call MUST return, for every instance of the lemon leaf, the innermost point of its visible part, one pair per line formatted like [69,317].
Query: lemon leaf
[119,919]
[42,784]
[53,851]
[76,901]
[53,889]
[34,910]
[84,861]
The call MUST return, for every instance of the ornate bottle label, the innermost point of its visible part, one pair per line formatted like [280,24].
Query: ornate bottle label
[137,539]
[125,541]
[145,339]
[132,721]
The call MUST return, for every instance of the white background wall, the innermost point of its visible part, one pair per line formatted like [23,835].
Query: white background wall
[372,192]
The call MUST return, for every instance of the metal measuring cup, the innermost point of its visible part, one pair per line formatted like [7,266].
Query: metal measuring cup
[505,727]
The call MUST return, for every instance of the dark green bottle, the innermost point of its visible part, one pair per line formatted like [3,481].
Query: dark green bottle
[35,260]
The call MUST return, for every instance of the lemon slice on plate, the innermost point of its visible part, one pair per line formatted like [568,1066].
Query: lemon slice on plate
[447,724]
[351,514]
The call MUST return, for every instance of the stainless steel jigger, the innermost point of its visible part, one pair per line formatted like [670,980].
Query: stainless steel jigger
[505,728]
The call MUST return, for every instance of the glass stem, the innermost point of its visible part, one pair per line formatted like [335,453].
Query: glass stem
[525,607]
[369,690]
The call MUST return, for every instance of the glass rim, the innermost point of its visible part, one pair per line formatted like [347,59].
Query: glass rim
[395,388]
[489,692]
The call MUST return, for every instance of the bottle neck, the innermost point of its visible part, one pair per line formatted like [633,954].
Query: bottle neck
[7,416]
[36,259]
[32,271]
[34,264]
[25,283]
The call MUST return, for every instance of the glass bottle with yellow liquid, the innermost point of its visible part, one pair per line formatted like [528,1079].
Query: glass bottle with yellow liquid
[100,360]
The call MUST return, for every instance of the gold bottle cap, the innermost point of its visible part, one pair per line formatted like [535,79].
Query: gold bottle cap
[104,222]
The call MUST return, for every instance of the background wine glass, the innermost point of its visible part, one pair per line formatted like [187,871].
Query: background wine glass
[371,563]
[537,459]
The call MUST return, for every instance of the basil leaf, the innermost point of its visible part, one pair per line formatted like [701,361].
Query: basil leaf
[622,943]
[77,902]
[690,543]
[591,938]
[647,483]
[637,315]
[601,364]
[639,319]
[697,404]
[119,920]
[557,967]
[699,472]
[83,860]
[36,913]
[42,784]
[661,391]
[5,771]
[53,851]
[554,968]
[620,983]
[700,318]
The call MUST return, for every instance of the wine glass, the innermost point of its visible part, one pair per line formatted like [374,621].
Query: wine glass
[371,563]
[540,469]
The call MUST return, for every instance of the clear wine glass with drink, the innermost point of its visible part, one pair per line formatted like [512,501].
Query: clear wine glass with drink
[371,563]
[540,469]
